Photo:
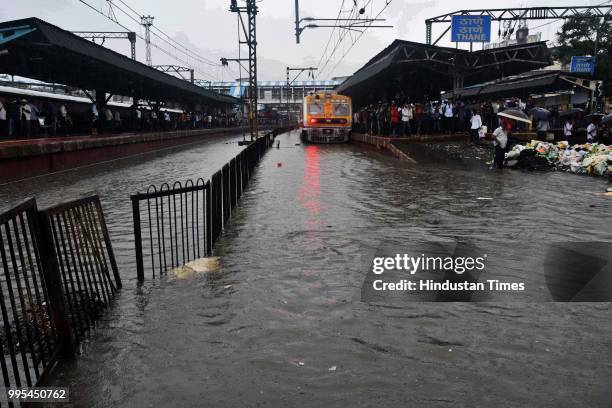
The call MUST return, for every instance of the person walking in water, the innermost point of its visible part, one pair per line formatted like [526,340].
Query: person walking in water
[500,140]
[475,124]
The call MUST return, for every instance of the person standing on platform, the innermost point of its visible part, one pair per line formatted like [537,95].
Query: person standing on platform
[406,118]
[25,113]
[394,115]
[448,117]
[591,132]
[117,117]
[568,130]
[108,120]
[3,121]
[366,120]
[437,119]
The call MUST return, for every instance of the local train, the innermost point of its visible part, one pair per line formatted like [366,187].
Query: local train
[327,118]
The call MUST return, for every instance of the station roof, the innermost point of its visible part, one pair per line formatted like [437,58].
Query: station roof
[428,68]
[36,49]
[531,82]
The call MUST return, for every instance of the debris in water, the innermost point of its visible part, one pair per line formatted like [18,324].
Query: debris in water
[332,368]
[183,272]
[279,164]
[300,363]
[227,286]
[204,265]
[196,268]
[484,198]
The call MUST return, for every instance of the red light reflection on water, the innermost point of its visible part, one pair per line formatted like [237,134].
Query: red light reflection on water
[310,192]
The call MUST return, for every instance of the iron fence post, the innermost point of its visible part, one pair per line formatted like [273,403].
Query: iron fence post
[107,242]
[137,238]
[53,281]
[208,219]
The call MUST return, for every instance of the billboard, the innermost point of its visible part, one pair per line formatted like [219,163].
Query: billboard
[469,28]
[584,64]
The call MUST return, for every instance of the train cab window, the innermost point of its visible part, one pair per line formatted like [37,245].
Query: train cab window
[340,109]
[315,108]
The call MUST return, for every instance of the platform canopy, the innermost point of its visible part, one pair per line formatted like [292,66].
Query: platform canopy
[415,71]
[35,49]
[526,84]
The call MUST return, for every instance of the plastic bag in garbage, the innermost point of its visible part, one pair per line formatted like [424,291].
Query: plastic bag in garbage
[600,168]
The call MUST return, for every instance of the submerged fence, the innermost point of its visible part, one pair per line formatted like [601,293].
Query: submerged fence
[58,273]
[177,224]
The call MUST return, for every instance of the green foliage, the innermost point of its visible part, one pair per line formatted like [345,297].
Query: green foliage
[581,36]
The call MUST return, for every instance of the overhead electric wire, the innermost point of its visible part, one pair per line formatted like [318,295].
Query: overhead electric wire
[331,34]
[116,21]
[341,37]
[360,35]
[167,37]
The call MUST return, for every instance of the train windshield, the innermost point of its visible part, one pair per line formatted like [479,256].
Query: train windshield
[340,109]
[315,108]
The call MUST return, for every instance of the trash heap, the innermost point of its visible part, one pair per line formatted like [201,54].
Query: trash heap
[588,158]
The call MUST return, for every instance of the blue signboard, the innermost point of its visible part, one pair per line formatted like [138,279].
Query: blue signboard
[468,28]
[583,65]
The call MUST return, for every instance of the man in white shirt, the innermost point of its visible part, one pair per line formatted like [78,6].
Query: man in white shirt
[568,129]
[591,132]
[500,140]
[406,118]
[3,127]
[475,124]
[448,117]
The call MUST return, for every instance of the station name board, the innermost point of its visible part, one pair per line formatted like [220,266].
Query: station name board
[583,64]
[468,28]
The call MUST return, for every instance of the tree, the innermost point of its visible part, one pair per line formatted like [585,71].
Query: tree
[588,35]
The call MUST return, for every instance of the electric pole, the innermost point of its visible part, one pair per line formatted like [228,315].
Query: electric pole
[147,22]
[250,39]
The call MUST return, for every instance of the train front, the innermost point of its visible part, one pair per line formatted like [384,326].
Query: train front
[327,118]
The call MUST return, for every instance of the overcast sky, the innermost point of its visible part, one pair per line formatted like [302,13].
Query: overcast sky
[207,28]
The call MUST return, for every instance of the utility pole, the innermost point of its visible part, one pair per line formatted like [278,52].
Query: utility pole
[250,39]
[289,69]
[297,21]
[147,22]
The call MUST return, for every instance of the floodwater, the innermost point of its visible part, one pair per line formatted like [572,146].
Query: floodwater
[283,323]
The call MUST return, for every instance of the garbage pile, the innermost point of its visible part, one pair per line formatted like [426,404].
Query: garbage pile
[588,158]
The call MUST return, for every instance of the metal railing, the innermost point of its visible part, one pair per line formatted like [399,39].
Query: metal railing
[85,259]
[40,252]
[177,224]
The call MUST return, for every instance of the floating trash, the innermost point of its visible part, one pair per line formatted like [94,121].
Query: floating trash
[484,198]
[197,267]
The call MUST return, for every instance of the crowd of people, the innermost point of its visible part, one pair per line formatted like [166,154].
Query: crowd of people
[446,116]
[23,119]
